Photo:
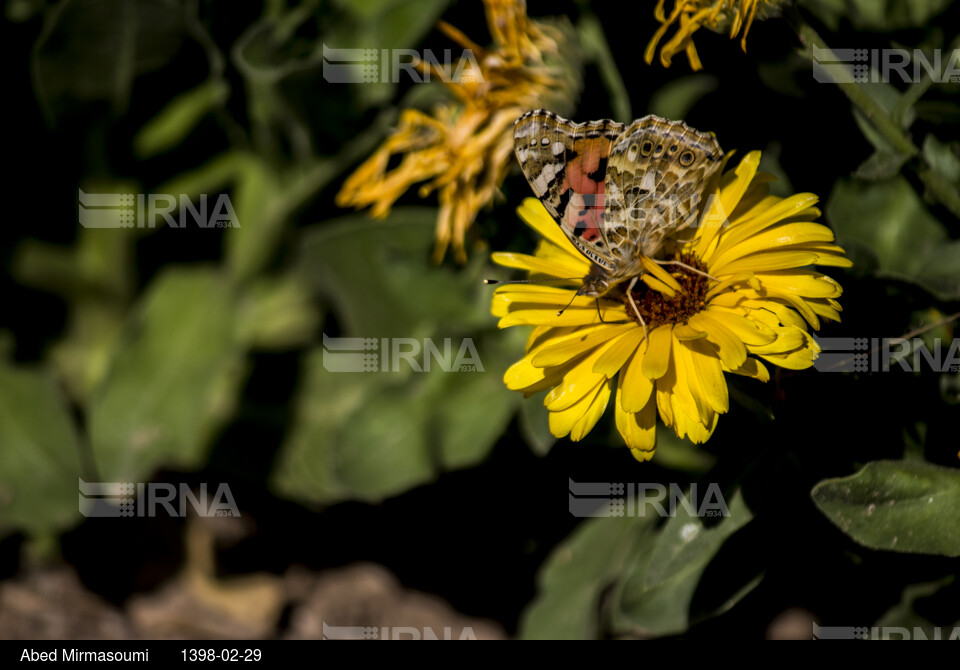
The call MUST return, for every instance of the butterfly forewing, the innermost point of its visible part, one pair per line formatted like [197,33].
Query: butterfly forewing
[565,164]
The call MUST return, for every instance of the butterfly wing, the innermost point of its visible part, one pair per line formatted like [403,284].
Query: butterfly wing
[656,173]
[565,164]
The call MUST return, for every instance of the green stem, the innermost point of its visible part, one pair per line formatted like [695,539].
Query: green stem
[870,109]
[891,131]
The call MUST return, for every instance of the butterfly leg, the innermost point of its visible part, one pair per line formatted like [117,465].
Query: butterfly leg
[636,310]
[599,315]
[687,267]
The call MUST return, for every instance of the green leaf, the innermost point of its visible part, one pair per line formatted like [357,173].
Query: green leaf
[894,234]
[770,163]
[675,453]
[654,597]
[891,101]
[904,614]
[266,200]
[896,506]
[358,263]
[882,164]
[942,160]
[93,50]
[371,435]
[534,424]
[573,579]
[172,380]
[181,115]
[211,177]
[39,454]
[257,203]
[277,313]
[675,99]
[595,48]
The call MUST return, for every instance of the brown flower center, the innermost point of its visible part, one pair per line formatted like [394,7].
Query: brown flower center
[657,309]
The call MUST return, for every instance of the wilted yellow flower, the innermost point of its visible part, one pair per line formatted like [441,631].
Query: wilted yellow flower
[757,306]
[464,148]
[718,15]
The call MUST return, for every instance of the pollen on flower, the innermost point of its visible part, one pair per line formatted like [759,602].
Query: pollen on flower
[658,309]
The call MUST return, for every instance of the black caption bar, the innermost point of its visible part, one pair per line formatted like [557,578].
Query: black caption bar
[123,653]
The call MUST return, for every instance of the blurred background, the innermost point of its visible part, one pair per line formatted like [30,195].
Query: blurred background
[194,355]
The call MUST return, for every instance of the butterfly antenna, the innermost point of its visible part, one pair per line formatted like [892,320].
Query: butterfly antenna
[490,282]
[568,305]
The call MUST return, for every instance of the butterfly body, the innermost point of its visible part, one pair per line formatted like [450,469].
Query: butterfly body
[619,192]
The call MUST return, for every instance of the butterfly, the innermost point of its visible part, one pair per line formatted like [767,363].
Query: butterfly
[619,192]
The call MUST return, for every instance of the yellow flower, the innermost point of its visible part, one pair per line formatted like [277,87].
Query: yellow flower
[717,15]
[464,148]
[756,308]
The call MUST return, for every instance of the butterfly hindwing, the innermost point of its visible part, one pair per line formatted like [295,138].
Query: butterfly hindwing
[565,164]
[656,173]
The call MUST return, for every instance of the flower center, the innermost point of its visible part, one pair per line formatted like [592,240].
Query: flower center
[657,308]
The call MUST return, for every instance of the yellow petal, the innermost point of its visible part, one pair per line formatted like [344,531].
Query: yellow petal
[570,317]
[636,387]
[808,283]
[656,360]
[798,359]
[770,260]
[733,185]
[657,271]
[690,395]
[769,212]
[614,358]
[747,331]
[710,373]
[579,380]
[751,368]
[565,269]
[597,407]
[664,394]
[537,217]
[684,332]
[562,422]
[638,429]
[731,349]
[561,352]
[658,285]
[788,339]
[775,237]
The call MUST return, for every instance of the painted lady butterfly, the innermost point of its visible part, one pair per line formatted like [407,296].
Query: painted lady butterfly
[618,192]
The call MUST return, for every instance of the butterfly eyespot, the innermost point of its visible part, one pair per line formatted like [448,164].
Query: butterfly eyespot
[646,148]
[686,158]
[673,148]
[659,150]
